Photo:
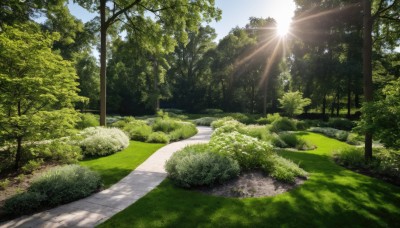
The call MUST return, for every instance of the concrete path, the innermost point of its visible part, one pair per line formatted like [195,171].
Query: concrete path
[95,209]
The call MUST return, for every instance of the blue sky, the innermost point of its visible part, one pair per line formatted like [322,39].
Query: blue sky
[234,12]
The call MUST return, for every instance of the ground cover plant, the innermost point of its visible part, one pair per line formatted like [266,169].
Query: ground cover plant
[332,196]
[340,135]
[114,167]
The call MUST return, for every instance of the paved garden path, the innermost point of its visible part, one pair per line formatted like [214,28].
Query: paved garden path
[95,209]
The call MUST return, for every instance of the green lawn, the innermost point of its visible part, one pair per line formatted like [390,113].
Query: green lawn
[332,197]
[115,167]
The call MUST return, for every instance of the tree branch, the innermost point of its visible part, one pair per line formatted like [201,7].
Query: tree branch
[110,20]
[382,10]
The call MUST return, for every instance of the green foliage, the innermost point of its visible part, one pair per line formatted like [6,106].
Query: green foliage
[4,184]
[24,203]
[189,168]
[293,103]
[99,141]
[283,124]
[88,120]
[341,124]
[59,150]
[219,122]
[204,121]
[331,132]
[292,140]
[229,126]
[351,157]
[158,137]
[57,186]
[31,166]
[259,132]
[273,117]
[247,150]
[137,129]
[382,118]
[39,88]
[212,111]
[186,130]
[165,125]
[282,169]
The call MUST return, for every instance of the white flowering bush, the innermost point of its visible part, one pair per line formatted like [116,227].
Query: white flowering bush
[245,149]
[229,126]
[100,141]
[252,153]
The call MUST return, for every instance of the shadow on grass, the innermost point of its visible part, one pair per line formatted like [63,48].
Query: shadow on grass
[331,197]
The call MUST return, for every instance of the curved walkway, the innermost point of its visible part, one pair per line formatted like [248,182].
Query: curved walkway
[97,208]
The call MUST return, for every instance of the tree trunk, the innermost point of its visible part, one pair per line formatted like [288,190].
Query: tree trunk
[18,153]
[155,87]
[103,56]
[348,99]
[367,68]
[324,105]
[338,105]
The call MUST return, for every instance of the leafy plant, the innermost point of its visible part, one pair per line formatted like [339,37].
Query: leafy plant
[293,103]
[87,120]
[24,203]
[186,130]
[204,121]
[283,124]
[331,132]
[101,141]
[31,166]
[219,122]
[282,169]
[188,168]
[4,184]
[158,137]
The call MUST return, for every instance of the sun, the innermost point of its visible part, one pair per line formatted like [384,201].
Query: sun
[282,28]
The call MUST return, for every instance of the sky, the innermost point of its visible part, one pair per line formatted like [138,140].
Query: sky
[234,13]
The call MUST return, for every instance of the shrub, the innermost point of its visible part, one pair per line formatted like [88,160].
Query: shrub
[101,141]
[87,120]
[229,126]
[4,184]
[259,132]
[283,124]
[293,103]
[188,168]
[158,137]
[204,121]
[138,130]
[282,169]
[186,130]
[24,203]
[262,121]
[272,117]
[341,123]
[351,157]
[173,110]
[65,184]
[331,132]
[241,118]
[123,121]
[31,166]
[219,122]
[59,150]
[212,111]
[301,125]
[389,163]
[198,148]
[165,125]
[247,150]
[57,186]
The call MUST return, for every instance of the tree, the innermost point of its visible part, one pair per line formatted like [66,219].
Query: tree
[383,116]
[37,87]
[386,21]
[174,15]
[293,103]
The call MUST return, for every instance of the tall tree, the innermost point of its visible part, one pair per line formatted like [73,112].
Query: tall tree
[173,15]
[38,88]
[386,20]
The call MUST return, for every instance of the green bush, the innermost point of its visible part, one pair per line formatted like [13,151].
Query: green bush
[272,117]
[4,184]
[262,121]
[219,122]
[187,168]
[165,125]
[352,157]
[122,122]
[229,126]
[158,137]
[101,141]
[259,132]
[293,141]
[198,148]
[389,162]
[212,111]
[247,150]
[186,130]
[301,125]
[60,151]
[57,186]
[204,121]
[87,120]
[282,169]
[283,124]
[24,203]
[341,124]
[31,166]
[173,110]
[138,130]
[65,184]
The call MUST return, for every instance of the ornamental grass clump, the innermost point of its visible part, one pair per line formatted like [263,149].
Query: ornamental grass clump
[100,141]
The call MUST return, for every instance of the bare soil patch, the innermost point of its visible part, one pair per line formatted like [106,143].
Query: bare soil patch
[251,184]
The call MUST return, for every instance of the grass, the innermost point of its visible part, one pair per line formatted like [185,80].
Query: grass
[331,197]
[115,167]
